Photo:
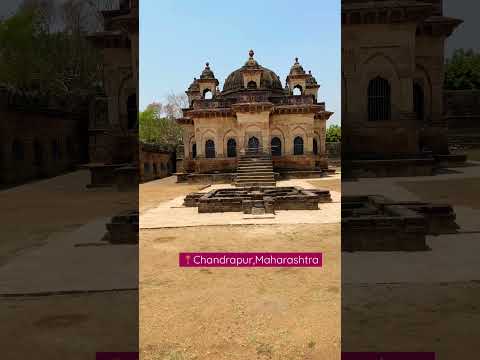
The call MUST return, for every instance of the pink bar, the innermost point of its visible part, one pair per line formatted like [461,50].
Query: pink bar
[250,259]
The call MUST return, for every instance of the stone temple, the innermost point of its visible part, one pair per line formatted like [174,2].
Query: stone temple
[254,117]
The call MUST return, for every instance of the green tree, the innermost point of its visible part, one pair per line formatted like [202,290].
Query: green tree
[155,127]
[36,53]
[463,70]
[334,134]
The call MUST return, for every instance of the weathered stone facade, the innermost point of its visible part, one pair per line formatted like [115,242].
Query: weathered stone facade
[392,79]
[254,114]
[113,128]
[155,162]
[37,139]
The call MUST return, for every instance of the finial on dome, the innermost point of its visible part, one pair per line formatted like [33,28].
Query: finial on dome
[296,60]
[251,53]
[207,64]
[309,72]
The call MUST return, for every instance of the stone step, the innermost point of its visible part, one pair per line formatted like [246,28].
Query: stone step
[260,172]
[255,162]
[255,178]
[254,168]
[255,184]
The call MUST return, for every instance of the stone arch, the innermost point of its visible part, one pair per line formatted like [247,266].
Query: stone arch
[207,94]
[380,65]
[252,85]
[297,90]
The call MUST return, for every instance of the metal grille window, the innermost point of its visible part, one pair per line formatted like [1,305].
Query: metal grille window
[276,147]
[418,101]
[231,148]
[298,146]
[209,149]
[379,106]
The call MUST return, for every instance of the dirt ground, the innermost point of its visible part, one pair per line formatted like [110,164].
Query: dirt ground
[331,184]
[68,326]
[61,326]
[441,318]
[31,212]
[162,190]
[272,313]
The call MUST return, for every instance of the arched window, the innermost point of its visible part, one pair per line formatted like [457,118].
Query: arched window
[297,90]
[209,149]
[418,101]
[207,94]
[379,106]
[276,145]
[252,85]
[18,151]
[315,146]
[231,148]
[132,112]
[37,153]
[55,150]
[194,150]
[70,148]
[298,146]
[146,168]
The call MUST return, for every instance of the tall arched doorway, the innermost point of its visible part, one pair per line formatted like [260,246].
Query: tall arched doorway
[418,101]
[231,148]
[253,145]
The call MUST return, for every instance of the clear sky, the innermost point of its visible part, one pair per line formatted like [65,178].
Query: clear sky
[178,37]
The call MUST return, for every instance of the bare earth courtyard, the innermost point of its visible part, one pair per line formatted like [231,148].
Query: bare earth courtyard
[258,313]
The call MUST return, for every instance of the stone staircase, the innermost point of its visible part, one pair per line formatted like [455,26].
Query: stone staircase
[255,170]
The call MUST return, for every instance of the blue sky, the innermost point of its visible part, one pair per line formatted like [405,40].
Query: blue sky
[178,37]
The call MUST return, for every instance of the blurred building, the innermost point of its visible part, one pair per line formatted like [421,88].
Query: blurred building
[113,128]
[393,119]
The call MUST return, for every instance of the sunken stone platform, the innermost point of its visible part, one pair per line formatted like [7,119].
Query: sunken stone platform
[123,228]
[375,223]
[257,200]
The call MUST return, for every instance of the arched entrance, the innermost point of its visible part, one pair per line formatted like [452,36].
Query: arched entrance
[253,145]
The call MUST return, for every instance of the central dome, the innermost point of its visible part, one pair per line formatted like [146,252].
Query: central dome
[268,79]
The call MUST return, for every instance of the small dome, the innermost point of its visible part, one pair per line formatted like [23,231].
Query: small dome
[268,79]
[194,86]
[296,68]
[310,80]
[207,73]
